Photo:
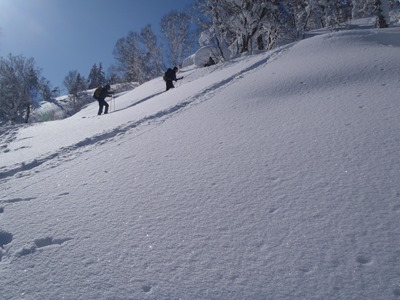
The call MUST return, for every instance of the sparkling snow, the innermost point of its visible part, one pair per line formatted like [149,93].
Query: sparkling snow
[272,176]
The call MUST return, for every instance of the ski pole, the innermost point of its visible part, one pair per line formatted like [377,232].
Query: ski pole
[113,100]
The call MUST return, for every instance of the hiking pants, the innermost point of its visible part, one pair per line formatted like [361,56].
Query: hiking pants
[102,103]
[170,85]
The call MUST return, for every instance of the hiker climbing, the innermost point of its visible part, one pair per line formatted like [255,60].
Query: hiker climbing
[100,94]
[170,76]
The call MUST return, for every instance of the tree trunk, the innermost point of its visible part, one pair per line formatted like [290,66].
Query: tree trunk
[28,112]
[382,13]
[245,44]
[260,42]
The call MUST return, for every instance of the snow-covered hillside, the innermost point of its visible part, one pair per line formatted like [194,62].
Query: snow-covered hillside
[64,106]
[273,176]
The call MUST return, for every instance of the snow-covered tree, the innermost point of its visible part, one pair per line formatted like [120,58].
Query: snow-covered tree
[381,8]
[153,55]
[315,14]
[113,75]
[48,93]
[213,19]
[129,56]
[296,18]
[272,26]
[368,7]
[243,24]
[356,9]
[316,11]
[138,56]
[75,84]
[176,28]
[250,20]
[21,88]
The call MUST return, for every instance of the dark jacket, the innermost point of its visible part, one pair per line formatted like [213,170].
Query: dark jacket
[170,75]
[105,92]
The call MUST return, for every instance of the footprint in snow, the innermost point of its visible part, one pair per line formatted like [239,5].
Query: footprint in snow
[40,243]
[5,238]
[146,288]
[272,210]
[364,260]
[62,194]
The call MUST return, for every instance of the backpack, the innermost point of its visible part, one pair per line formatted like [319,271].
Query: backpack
[168,74]
[97,93]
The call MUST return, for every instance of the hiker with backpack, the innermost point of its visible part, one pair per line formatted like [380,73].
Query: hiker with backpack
[100,94]
[170,76]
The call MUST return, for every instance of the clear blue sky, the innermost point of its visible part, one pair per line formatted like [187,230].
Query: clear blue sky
[66,35]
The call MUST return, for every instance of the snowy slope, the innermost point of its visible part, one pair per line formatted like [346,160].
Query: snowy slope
[274,176]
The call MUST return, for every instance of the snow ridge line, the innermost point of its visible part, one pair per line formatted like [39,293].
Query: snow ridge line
[225,82]
[160,116]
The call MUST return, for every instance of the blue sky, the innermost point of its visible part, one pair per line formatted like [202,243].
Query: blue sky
[66,35]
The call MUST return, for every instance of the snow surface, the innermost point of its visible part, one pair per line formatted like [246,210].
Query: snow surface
[273,176]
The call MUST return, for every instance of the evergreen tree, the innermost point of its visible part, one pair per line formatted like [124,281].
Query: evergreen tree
[76,85]
[96,77]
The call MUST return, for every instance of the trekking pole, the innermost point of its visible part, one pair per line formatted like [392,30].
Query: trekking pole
[113,100]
